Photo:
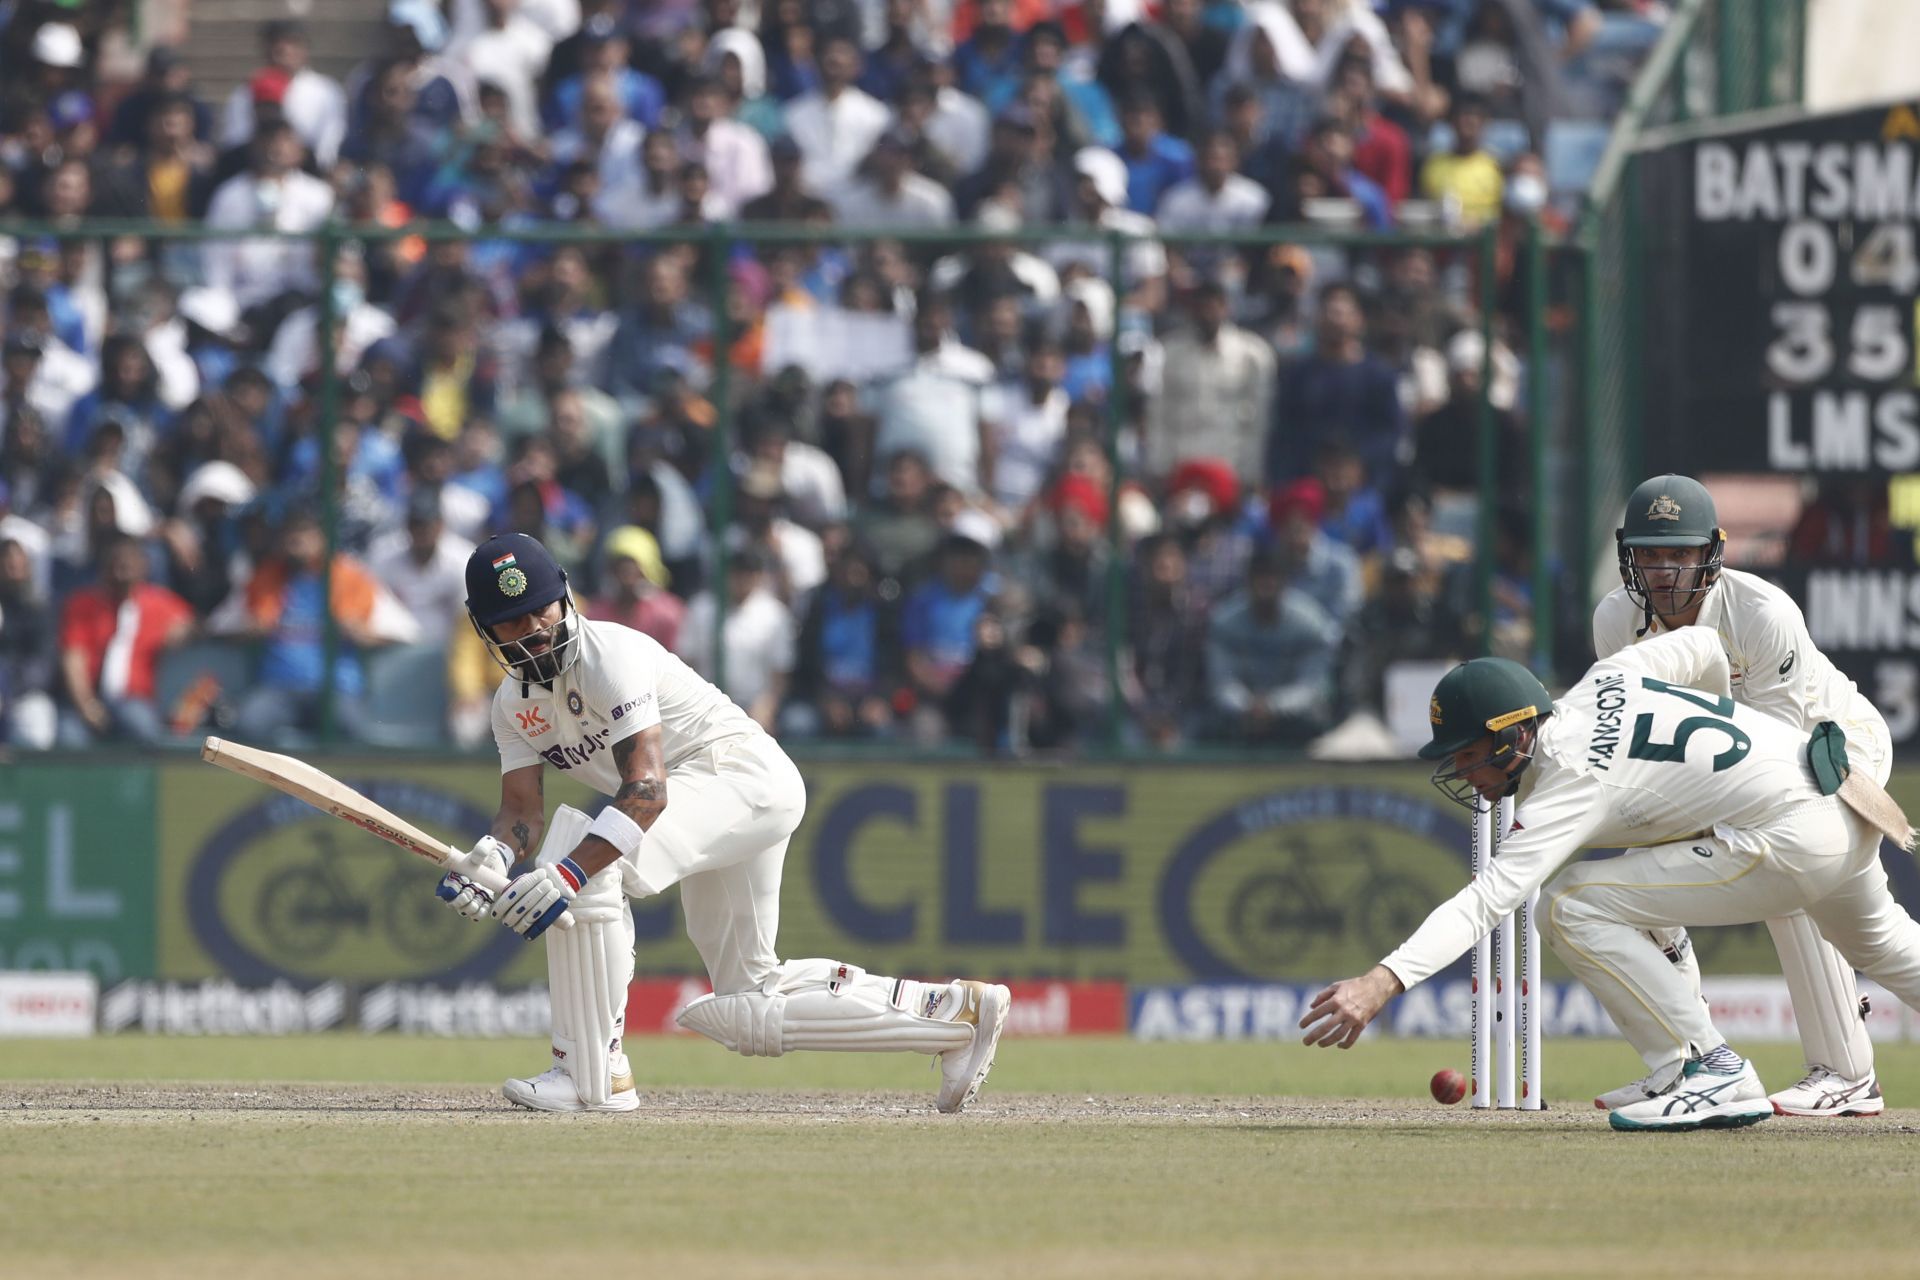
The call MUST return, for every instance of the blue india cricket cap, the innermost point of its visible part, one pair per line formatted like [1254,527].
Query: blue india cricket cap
[510,574]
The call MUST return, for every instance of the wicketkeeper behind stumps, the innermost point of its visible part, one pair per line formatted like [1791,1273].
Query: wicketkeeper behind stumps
[610,706]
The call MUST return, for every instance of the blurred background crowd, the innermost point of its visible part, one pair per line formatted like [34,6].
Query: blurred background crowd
[981,492]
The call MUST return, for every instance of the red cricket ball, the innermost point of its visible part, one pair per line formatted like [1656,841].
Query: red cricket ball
[1448,1086]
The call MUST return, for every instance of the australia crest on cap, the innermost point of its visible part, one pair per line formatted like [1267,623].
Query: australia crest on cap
[1663,508]
[512,582]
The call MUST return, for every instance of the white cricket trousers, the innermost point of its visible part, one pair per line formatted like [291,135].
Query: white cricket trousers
[1826,1000]
[1814,855]
[723,839]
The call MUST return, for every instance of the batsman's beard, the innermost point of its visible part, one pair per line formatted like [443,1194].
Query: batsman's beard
[539,657]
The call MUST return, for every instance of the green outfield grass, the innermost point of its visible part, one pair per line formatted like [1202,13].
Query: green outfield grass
[349,1156]
[1382,1068]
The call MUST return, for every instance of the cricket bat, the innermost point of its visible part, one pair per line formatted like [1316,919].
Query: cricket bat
[328,794]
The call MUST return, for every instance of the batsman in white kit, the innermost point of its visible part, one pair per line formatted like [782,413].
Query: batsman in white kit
[1729,815]
[1671,549]
[700,797]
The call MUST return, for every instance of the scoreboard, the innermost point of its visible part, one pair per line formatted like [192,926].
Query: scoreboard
[1783,276]
[1781,303]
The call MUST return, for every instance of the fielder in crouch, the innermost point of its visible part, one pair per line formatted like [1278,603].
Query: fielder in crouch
[610,706]
[1734,819]
[1671,548]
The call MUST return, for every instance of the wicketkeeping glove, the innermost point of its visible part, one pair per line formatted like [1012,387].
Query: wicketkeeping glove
[462,894]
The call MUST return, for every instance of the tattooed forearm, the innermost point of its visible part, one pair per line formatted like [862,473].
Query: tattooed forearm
[518,831]
[642,800]
[643,788]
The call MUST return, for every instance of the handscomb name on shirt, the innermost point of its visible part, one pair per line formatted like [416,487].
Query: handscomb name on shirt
[1611,699]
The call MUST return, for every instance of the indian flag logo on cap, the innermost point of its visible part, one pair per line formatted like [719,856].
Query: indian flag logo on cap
[504,562]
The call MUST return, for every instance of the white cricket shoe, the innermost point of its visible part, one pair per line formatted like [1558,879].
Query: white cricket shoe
[554,1090]
[1825,1092]
[964,1070]
[1651,1085]
[1700,1099]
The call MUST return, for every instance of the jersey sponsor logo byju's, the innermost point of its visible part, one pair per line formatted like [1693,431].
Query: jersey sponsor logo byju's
[532,722]
[561,756]
[1610,701]
[633,705]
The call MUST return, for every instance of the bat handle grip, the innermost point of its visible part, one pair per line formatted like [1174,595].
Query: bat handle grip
[494,882]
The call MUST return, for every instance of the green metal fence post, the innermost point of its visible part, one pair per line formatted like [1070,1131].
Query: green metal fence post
[1798,52]
[1116,547]
[329,247]
[1539,410]
[1727,54]
[1634,270]
[719,243]
[1590,411]
[1764,37]
[1485,447]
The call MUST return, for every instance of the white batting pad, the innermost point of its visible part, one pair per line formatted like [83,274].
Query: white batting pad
[1826,998]
[828,1005]
[589,966]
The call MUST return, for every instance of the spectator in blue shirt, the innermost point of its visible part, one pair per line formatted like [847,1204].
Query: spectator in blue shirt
[1270,659]
[389,130]
[1155,161]
[606,54]
[1356,513]
[286,610]
[1323,169]
[129,393]
[658,334]
[1086,97]
[1144,57]
[1326,570]
[847,666]
[988,63]
[937,623]
[1341,392]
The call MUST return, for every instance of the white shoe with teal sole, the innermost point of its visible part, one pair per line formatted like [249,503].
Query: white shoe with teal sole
[1700,1099]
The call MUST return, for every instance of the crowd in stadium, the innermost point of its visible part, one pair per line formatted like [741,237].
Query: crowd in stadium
[925,541]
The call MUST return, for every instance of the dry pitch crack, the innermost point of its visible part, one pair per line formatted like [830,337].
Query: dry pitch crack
[52,1104]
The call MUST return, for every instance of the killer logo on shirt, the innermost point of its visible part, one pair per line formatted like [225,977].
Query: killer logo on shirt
[574,702]
[565,757]
[532,722]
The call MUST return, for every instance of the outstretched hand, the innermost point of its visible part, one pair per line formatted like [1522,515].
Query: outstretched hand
[1339,1014]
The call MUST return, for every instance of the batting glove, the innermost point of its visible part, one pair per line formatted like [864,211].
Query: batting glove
[534,901]
[462,894]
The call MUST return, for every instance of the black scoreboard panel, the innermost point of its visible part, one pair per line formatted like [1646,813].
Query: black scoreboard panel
[1780,287]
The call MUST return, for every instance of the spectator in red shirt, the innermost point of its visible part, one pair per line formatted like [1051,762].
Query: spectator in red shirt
[1381,150]
[111,637]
